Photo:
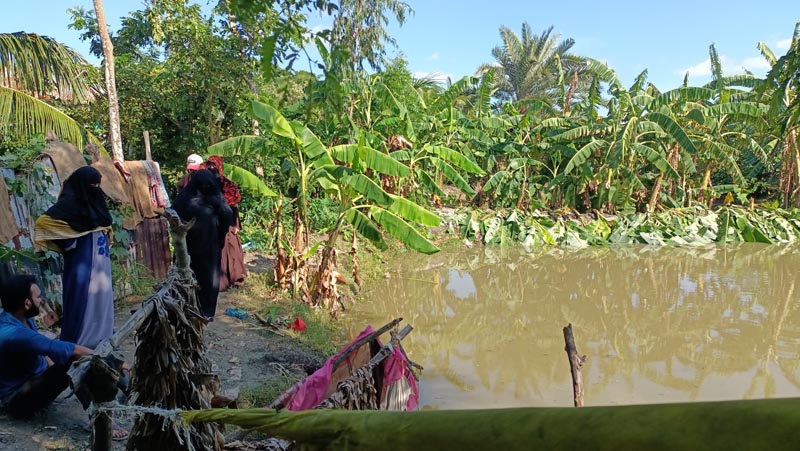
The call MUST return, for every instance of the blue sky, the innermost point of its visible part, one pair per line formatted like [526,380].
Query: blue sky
[452,37]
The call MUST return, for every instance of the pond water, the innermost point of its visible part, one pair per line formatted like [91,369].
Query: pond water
[657,324]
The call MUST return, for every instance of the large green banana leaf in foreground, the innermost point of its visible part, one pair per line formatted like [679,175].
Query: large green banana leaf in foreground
[772,424]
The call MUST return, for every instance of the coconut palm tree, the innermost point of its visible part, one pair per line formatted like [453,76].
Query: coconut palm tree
[35,68]
[537,67]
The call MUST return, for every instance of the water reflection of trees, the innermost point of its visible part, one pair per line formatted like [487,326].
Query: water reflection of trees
[673,316]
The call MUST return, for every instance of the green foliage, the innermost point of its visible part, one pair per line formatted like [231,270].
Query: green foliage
[677,227]
[134,279]
[322,213]
[17,257]
[21,158]
[128,276]
[41,66]
[360,27]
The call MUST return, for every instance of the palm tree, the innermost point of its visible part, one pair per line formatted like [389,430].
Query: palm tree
[33,68]
[537,67]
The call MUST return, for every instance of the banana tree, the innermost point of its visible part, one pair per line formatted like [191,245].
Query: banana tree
[780,91]
[425,162]
[345,173]
[626,155]
[510,183]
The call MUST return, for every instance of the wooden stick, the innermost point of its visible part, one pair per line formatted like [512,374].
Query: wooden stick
[576,362]
[363,340]
[147,155]
[102,387]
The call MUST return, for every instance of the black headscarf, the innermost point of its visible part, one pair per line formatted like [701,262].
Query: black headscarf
[81,203]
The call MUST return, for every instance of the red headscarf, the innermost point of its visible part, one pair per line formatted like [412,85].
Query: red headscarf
[229,189]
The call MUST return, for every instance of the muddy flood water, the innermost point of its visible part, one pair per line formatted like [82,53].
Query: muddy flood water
[657,324]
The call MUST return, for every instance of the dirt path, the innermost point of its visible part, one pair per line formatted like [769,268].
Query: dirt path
[245,357]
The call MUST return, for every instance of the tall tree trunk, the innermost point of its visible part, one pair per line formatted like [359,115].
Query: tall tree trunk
[111,83]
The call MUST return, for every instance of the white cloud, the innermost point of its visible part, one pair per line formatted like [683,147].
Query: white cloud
[755,63]
[438,77]
[434,57]
[730,66]
[784,44]
[698,70]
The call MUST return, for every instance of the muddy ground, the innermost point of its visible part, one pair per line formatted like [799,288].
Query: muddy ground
[246,356]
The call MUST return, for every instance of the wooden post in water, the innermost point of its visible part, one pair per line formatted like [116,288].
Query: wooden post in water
[576,362]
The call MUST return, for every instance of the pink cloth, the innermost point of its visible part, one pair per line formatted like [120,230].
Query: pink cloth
[395,367]
[312,391]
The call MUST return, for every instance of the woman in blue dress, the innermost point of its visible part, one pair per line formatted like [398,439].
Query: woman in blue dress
[79,226]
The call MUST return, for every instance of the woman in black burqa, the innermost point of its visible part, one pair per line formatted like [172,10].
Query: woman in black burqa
[202,199]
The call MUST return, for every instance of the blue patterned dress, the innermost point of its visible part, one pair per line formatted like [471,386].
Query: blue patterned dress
[88,298]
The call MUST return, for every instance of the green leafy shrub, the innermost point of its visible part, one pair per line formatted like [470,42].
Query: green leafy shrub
[322,213]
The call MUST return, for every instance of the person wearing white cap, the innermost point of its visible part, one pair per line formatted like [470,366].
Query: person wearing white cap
[193,163]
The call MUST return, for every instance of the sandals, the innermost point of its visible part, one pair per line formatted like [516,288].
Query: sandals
[119,434]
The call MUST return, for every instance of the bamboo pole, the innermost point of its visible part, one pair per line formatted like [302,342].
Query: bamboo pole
[576,362]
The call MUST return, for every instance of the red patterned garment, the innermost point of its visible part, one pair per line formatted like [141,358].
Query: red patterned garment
[229,189]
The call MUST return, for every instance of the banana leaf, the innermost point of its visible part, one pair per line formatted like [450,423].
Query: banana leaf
[453,176]
[247,180]
[583,154]
[312,146]
[769,424]
[240,145]
[674,130]
[364,185]
[365,227]
[272,117]
[413,212]
[401,230]
[455,158]
[371,158]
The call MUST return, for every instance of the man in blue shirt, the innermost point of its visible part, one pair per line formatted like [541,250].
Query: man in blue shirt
[33,368]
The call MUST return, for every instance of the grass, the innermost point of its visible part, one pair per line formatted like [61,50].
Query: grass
[323,334]
[260,296]
[265,393]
